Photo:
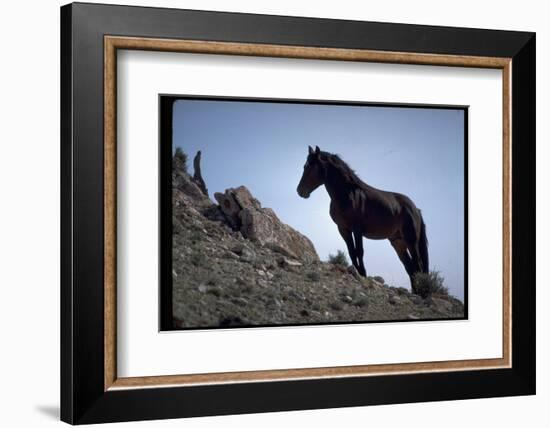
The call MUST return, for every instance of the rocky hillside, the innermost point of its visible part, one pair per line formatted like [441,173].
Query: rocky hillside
[235,263]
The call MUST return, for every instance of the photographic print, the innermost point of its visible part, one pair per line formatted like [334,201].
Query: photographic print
[294,212]
[291,184]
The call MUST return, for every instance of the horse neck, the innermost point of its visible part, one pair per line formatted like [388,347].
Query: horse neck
[338,186]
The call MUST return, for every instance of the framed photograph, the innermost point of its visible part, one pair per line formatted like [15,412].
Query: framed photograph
[265,213]
[234,263]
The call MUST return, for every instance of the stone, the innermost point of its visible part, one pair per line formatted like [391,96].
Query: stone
[241,301]
[393,299]
[245,213]
[347,299]
[440,305]
[231,255]
[402,291]
[284,262]
[185,184]
[337,306]
[274,303]
[247,256]
[262,283]
[417,300]
[238,248]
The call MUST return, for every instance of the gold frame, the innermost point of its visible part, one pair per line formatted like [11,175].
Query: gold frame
[113,43]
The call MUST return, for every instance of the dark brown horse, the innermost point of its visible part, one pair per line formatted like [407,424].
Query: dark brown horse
[360,210]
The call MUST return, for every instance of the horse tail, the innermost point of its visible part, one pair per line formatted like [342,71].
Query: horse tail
[423,246]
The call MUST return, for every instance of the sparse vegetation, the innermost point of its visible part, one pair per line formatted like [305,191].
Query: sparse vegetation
[181,157]
[363,301]
[313,276]
[339,259]
[430,283]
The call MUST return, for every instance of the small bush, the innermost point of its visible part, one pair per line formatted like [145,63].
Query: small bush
[313,276]
[379,279]
[426,284]
[339,259]
[180,158]
[363,301]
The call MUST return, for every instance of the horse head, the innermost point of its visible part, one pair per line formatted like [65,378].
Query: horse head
[313,175]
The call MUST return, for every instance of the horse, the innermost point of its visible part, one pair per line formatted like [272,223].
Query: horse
[360,210]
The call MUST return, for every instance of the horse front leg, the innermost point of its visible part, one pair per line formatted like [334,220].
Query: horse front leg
[358,236]
[348,238]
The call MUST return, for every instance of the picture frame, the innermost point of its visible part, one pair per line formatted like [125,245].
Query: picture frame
[91,390]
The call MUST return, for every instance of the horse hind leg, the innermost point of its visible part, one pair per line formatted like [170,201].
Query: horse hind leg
[400,247]
[415,256]
[411,236]
[416,263]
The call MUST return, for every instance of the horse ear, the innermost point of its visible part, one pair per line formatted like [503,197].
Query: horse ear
[310,150]
[317,150]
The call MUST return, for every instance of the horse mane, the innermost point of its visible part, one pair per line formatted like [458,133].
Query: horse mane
[349,174]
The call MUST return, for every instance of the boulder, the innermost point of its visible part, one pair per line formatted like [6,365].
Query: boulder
[245,213]
[184,184]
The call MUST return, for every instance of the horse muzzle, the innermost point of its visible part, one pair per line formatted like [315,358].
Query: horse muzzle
[303,193]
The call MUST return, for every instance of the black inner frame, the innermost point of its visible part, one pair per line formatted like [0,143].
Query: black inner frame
[83,396]
[166,104]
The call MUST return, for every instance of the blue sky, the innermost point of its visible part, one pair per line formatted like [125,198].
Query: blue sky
[415,151]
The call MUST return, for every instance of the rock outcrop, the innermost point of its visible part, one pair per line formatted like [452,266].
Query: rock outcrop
[245,213]
[197,176]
